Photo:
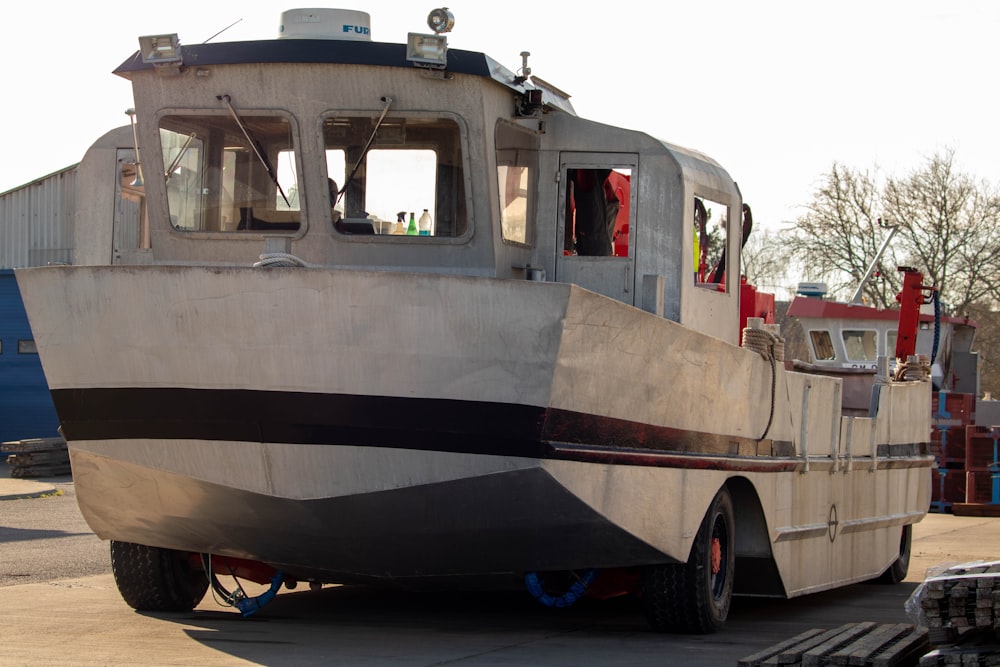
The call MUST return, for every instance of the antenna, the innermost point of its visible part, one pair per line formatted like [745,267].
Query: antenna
[222,31]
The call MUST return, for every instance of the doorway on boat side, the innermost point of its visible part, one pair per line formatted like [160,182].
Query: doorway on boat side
[596,223]
[709,237]
[130,231]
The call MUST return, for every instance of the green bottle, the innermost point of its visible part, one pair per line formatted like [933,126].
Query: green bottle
[411,230]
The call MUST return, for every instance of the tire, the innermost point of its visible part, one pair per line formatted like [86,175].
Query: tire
[897,571]
[156,579]
[694,597]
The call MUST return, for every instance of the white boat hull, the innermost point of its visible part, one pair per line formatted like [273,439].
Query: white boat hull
[348,425]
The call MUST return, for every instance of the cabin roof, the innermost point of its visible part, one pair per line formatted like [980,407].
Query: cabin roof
[310,51]
[812,308]
[347,52]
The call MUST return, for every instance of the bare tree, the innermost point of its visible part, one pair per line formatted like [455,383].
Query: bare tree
[763,260]
[948,227]
[840,235]
[949,224]
[987,343]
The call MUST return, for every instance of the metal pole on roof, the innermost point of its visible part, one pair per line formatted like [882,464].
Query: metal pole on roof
[856,299]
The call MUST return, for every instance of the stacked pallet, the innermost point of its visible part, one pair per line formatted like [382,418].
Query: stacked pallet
[979,648]
[37,457]
[866,643]
[956,616]
[961,609]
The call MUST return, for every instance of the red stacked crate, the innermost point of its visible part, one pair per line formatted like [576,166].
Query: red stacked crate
[982,448]
[951,414]
[958,409]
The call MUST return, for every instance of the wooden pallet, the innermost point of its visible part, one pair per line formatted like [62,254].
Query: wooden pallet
[37,457]
[979,647]
[864,644]
[26,472]
[32,445]
[975,509]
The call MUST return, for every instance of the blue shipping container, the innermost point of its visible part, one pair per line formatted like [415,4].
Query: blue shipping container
[26,409]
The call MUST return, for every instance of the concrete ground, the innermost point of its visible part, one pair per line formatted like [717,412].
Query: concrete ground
[83,620]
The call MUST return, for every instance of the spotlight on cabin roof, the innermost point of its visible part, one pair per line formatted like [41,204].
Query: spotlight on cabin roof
[441,20]
[431,50]
[817,290]
[160,49]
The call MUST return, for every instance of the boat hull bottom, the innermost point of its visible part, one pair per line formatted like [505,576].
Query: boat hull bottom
[497,524]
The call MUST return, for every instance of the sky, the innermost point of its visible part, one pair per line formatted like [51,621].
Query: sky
[776,91]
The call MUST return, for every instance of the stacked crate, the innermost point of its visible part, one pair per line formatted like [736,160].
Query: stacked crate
[982,471]
[951,414]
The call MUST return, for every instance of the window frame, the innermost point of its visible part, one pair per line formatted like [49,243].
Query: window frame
[531,188]
[257,234]
[867,336]
[829,341]
[463,201]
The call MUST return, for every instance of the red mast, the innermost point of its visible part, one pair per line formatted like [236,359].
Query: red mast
[910,299]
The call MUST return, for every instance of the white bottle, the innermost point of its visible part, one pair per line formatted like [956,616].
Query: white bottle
[425,223]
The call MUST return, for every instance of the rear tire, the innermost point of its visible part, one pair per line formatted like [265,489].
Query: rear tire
[694,597]
[899,568]
[156,579]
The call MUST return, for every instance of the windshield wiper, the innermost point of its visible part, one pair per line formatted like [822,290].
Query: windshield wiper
[180,156]
[364,152]
[228,101]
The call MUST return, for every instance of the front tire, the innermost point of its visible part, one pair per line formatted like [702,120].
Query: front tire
[156,579]
[694,597]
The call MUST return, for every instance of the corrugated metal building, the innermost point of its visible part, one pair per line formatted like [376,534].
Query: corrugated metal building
[36,228]
[36,221]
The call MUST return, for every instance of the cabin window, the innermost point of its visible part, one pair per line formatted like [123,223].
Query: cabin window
[26,346]
[229,175]
[860,345]
[822,345]
[517,166]
[383,174]
[890,342]
[598,202]
[708,238]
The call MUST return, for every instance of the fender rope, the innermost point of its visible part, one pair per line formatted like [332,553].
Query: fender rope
[534,584]
[772,349]
[238,598]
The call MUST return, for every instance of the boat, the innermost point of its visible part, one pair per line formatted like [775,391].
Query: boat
[556,379]
[845,338]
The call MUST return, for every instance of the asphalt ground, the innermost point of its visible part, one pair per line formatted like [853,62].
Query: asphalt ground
[59,606]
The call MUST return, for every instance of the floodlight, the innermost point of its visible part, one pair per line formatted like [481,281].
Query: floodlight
[160,49]
[427,50]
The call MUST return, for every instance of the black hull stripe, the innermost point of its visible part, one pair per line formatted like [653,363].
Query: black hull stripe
[446,425]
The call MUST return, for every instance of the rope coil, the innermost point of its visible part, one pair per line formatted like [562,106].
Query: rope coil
[772,349]
[764,343]
[270,259]
[915,369]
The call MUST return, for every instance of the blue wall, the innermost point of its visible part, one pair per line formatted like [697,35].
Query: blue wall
[26,409]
